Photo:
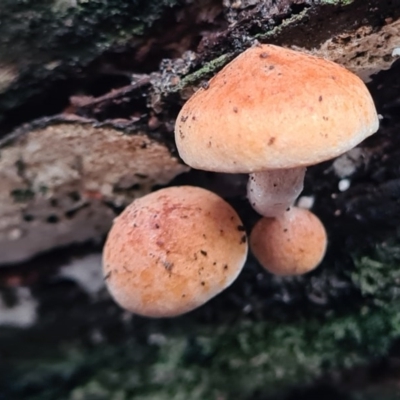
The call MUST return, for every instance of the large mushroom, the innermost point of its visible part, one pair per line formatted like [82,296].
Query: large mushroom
[272,112]
[172,250]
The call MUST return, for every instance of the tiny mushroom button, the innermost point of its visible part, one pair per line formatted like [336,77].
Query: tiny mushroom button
[173,250]
[272,112]
[293,243]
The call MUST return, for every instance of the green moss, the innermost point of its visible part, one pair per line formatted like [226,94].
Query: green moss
[199,362]
[213,66]
[284,24]
[378,276]
[205,72]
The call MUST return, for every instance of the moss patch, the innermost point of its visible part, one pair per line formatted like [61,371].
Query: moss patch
[378,275]
[196,361]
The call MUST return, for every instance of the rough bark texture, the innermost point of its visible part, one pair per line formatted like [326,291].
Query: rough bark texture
[121,72]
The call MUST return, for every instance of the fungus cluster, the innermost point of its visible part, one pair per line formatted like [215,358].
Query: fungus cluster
[172,250]
[272,112]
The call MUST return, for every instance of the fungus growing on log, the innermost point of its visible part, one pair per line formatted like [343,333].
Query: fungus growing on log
[172,250]
[272,112]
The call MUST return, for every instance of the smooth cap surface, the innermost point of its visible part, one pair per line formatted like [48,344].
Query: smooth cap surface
[172,250]
[292,244]
[274,108]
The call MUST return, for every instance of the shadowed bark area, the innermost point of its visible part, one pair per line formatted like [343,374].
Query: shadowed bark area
[119,73]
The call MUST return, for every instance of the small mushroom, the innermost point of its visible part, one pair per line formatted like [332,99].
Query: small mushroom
[292,244]
[173,250]
[272,112]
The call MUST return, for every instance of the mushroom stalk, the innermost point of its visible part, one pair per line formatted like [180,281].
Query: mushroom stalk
[272,192]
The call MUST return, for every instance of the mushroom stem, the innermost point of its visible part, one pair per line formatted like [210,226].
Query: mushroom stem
[272,192]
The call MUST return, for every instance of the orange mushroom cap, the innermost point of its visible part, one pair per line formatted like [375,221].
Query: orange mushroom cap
[172,250]
[274,108]
[291,244]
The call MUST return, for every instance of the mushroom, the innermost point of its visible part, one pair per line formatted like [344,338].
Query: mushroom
[272,112]
[292,244]
[173,250]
